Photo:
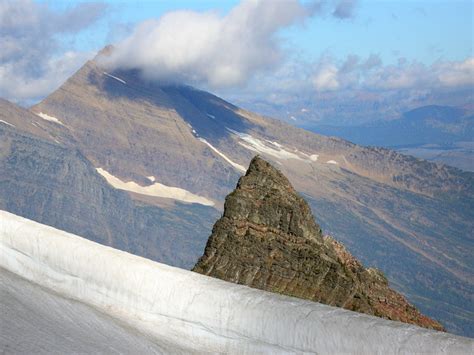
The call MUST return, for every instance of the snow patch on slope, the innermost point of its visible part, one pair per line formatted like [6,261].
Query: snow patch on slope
[151,178]
[332,162]
[196,312]
[314,157]
[156,190]
[49,118]
[218,152]
[272,148]
[235,165]
[114,77]
[257,145]
[7,123]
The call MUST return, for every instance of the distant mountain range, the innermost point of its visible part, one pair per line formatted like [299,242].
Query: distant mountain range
[145,168]
[439,133]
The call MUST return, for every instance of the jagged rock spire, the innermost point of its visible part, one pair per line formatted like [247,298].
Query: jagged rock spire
[267,238]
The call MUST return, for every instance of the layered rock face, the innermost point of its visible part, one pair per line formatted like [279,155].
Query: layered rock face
[267,238]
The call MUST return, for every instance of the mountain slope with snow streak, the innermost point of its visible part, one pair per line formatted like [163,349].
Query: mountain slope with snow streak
[195,313]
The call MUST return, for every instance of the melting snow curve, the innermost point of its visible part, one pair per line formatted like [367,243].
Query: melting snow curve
[114,77]
[156,190]
[47,117]
[7,123]
[235,165]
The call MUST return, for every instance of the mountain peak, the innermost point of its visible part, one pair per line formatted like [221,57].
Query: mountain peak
[267,238]
[264,196]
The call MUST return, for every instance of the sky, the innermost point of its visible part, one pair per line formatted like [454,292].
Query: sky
[275,56]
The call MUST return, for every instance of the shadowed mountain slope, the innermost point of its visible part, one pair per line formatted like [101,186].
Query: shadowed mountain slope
[56,185]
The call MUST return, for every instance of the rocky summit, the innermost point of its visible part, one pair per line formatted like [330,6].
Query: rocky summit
[268,239]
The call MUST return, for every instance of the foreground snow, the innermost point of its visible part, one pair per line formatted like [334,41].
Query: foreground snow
[35,320]
[156,189]
[192,312]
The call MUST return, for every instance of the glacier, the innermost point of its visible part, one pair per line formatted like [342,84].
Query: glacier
[184,312]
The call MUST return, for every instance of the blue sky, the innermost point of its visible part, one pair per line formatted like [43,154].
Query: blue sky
[421,30]
[270,55]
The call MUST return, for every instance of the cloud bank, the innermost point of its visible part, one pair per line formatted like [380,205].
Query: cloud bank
[370,74]
[356,90]
[206,47]
[31,63]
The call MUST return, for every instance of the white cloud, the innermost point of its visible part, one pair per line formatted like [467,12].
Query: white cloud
[355,90]
[371,74]
[326,78]
[17,86]
[32,60]
[206,47]
[456,73]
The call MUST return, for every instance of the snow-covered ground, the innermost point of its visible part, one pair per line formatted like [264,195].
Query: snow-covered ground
[35,320]
[156,189]
[188,312]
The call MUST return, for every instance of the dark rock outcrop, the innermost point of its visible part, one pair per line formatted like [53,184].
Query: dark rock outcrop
[267,238]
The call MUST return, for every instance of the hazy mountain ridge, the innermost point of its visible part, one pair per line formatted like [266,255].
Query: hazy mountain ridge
[439,133]
[398,213]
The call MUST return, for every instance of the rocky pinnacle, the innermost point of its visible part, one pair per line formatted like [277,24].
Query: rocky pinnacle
[268,239]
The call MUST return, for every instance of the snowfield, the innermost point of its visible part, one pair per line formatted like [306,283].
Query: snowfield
[156,189]
[35,320]
[188,312]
